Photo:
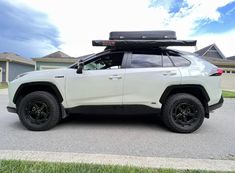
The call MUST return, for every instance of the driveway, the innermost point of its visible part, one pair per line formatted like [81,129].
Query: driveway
[124,135]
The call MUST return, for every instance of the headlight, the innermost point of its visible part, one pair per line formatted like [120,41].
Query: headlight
[20,75]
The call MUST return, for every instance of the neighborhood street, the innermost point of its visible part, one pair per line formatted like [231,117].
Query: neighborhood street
[124,135]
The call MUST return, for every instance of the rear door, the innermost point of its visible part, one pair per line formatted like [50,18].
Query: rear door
[147,76]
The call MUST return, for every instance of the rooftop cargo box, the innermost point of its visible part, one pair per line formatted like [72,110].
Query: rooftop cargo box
[143,35]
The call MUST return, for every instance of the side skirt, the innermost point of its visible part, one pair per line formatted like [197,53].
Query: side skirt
[113,109]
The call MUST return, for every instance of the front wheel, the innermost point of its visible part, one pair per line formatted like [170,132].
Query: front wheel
[39,111]
[183,113]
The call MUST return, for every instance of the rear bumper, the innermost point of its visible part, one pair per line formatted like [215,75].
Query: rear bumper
[11,109]
[217,105]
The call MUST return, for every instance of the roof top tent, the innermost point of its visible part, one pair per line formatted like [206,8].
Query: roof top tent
[142,40]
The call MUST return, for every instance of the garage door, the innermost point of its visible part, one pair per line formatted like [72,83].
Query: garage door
[50,67]
[0,74]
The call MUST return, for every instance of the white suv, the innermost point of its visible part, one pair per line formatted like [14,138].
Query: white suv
[180,86]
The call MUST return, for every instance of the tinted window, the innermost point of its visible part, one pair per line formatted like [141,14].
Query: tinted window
[179,61]
[166,61]
[146,60]
[108,61]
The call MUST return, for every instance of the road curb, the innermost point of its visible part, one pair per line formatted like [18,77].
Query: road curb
[106,159]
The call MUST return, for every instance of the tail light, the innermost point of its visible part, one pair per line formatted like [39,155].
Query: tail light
[217,72]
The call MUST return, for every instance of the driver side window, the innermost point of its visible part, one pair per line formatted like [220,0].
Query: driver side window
[108,61]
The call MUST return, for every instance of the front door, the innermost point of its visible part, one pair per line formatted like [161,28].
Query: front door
[101,82]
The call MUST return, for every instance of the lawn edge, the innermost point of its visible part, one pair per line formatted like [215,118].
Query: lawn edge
[121,160]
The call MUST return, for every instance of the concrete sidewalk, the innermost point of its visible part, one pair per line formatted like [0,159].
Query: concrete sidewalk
[4,91]
[233,90]
[104,159]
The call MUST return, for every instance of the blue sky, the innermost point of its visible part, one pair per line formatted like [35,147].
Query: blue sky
[34,28]
[21,27]
[225,23]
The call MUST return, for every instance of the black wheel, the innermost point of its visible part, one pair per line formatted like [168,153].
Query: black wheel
[39,111]
[183,113]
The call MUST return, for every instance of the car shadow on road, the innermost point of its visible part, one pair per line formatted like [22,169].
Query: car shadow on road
[114,120]
[107,120]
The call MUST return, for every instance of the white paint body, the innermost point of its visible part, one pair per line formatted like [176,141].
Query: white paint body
[138,86]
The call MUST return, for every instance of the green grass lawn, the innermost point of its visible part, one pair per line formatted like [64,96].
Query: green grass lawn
[228,94]
[14,166]
[3,86]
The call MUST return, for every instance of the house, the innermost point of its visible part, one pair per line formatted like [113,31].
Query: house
[12,65]
[231,58]
[211,51]
[214,55]
[53,61]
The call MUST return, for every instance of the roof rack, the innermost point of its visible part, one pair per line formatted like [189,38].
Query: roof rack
[142,40]
[143,43]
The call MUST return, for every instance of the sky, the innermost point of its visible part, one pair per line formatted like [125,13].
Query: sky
[35,28]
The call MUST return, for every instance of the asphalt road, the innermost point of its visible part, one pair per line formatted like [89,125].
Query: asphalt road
[124,135]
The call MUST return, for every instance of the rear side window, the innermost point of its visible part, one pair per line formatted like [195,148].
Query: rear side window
[146,60]
[179,61]
[166,61]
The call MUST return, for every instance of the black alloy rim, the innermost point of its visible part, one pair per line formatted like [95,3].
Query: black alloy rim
[37,112]
[185,114]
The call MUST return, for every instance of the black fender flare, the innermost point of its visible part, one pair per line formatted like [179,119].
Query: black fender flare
[188,88]
[52,86]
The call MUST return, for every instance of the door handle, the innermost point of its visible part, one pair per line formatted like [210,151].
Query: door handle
[169,73]
[115,77]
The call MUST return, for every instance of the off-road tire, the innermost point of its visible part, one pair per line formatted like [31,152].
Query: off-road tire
[48,101]
[170,114]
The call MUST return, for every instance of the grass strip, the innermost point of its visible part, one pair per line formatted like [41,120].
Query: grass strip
[3,86]
[12,166]
[228,94]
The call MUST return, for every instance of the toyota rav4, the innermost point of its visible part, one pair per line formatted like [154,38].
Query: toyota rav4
[129,76]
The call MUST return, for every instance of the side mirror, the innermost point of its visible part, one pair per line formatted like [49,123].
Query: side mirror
[80,68]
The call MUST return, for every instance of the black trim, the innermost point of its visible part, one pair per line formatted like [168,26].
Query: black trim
[113,109]
[196,90]
[182,87]
[11,109]
[217,105]
[37,84]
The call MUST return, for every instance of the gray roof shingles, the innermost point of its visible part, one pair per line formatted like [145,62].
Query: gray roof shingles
[9,56]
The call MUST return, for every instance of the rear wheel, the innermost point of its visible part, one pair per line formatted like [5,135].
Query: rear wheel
[39,111]
[183,113]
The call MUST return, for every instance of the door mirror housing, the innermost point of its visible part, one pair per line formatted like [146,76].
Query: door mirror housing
[80,67]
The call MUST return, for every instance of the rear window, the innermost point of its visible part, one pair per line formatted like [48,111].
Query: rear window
[178,60]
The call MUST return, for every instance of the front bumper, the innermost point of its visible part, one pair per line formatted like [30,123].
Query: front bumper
[217,105]
[11,109]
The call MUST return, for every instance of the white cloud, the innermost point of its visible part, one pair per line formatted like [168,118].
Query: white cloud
[81,21]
